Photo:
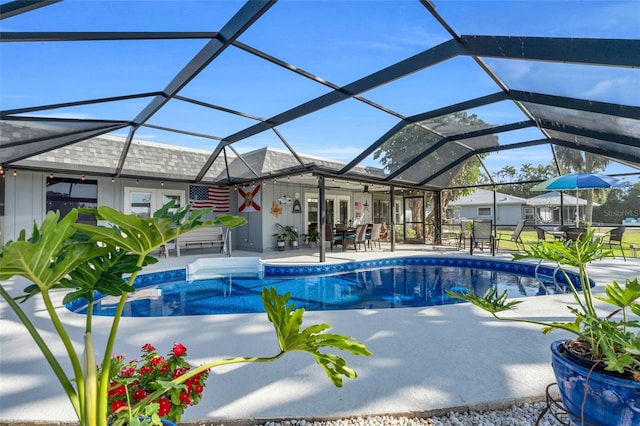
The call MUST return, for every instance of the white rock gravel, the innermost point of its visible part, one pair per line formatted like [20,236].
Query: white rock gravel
[524,414]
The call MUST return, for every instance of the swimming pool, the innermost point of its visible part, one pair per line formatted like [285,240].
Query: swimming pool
[375,284]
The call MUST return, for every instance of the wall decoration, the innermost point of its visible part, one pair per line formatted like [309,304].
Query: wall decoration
[276,210]
[284,199]
[249,200]
[297,208]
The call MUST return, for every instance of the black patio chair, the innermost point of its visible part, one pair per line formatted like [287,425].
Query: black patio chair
[514,238]
[574,234]
[333,238]
[614,236]
[541,233]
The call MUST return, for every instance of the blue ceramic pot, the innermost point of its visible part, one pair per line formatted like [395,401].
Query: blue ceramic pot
[610,401]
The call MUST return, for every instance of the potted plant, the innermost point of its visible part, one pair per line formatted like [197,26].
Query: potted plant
[281,239]
[84,259]
[313,237]
[290,232]
[598,371]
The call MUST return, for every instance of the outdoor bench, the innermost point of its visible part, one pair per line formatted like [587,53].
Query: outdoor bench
[210,236]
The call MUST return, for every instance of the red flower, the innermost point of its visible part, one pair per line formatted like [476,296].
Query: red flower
[139,379]
[184,397]
[127,372]
[140,394]
[145,370]
[179,349]
[118,390]
[165,406]
[117,405]
[157,360]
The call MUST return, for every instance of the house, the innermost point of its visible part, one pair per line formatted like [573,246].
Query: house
[54,180]
[480,205]
[547,207]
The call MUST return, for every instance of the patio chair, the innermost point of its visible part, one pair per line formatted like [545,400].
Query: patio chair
[514,238]
[614,236]
[574,234]
[541,233]
[333,238]
[452,233]
[559,231]
[358,237]
[482,233]
[374,235]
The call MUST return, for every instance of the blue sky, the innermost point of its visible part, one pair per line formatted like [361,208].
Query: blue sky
[340,41]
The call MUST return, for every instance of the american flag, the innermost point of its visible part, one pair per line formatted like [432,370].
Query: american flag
[201,196]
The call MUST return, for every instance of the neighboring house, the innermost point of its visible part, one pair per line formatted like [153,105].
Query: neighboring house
[547,207]
[479,205]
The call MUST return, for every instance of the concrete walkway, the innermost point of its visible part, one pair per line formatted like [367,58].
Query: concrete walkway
[425,360]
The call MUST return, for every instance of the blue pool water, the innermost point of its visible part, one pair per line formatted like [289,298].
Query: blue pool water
[390,283]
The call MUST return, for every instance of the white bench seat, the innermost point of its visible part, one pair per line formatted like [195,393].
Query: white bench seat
[210,236]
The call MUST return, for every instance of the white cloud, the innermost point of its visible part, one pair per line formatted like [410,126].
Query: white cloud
[606,86]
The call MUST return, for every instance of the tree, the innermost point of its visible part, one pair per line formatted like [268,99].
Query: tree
[621,203]
[414,139]
[526,173]
[574,161]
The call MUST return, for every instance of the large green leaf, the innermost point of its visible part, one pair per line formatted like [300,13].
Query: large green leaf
[49,255]
[491,302]
[287,322]
[103,274]
[573,253]
[142,236]
[621,297]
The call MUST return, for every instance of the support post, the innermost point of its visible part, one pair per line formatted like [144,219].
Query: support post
[437,218]
[392,212]
[322,219]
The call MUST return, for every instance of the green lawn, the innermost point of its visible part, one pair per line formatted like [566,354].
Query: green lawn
[631,236]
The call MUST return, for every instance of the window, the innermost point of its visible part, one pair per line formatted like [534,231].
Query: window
[65,194]
[529,213]
[484,211]
[143,202]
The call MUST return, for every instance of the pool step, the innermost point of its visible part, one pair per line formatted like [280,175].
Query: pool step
[544,276]
[215,267]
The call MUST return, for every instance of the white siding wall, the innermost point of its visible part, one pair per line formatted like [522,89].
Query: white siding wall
[24,202]
[507,215]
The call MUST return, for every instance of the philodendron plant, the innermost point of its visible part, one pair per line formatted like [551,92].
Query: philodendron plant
[84,259]
[612,339]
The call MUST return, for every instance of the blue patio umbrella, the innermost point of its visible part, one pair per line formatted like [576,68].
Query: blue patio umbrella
[579,181]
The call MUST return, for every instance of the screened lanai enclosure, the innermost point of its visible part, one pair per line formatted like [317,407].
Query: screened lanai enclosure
[414,96]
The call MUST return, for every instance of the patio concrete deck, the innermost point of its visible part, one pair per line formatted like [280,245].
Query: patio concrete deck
[425,360]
